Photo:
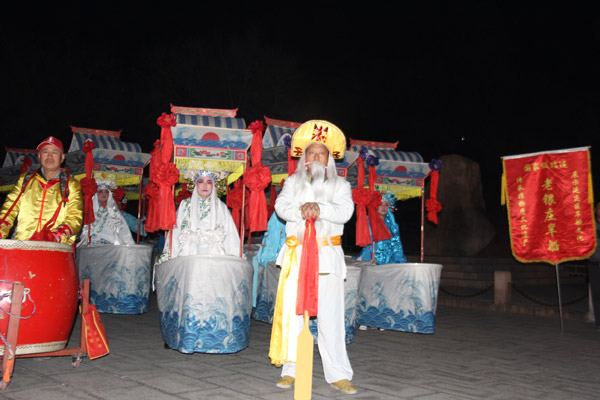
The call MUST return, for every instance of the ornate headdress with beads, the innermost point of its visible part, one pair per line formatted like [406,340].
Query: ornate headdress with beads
[390,199]
[317,131]
[218,177]
[106,184]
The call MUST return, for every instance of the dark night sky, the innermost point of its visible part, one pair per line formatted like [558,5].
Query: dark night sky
[482,79]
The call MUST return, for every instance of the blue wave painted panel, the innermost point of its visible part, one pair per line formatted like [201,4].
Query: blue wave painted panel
[118,285]
[400,297]
[126,304]
[206,328]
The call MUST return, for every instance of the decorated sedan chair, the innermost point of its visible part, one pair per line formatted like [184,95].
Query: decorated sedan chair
[202,282]
[394,294]
[119,268]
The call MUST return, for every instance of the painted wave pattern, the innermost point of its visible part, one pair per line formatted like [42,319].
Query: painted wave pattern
[349,318]
[421,320]
[265,305]
[113,292]
[109,304]
[207,328]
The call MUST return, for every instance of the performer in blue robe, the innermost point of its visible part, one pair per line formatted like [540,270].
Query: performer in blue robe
[386,251]
[272,242]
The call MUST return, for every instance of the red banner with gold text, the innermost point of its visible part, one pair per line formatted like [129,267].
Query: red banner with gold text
[550,205]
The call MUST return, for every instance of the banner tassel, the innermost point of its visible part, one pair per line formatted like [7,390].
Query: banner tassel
[503,190]
[590,189]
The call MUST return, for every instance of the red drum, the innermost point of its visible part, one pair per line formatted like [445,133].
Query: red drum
[49,275]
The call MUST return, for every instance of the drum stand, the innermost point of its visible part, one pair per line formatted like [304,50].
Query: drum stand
[12,332]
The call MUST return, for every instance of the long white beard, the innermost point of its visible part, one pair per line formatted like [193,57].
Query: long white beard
[317,172]
[321,189]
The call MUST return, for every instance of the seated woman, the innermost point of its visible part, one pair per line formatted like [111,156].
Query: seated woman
[204,223]
[386,251]
[110,226]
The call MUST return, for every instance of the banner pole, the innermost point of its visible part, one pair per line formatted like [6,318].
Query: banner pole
[139,213]
[422,223]
[242,228]
[559,298]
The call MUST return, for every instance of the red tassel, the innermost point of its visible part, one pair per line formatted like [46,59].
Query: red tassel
[257,178]
[378,229]
[292,163]
[234,201]
[26,164]
[164,174]
[432,205]
[361,197]
[88,184]
[308,275]
[272,199]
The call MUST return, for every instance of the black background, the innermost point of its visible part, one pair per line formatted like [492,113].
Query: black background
[482,79]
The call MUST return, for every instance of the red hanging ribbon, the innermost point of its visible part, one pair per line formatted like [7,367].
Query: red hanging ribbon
[166,122]
[292,163]
[162,213]
[118,194]
[164,174]
[26,164]
[184,193]
[234,201]
[272,199]
[432,204]
[88,184]
[308,274]
[361,197]
[257,178]
[378,229]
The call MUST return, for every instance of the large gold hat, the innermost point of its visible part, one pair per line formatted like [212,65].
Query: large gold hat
[315,131]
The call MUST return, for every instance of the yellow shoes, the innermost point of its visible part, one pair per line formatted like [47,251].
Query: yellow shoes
[286,382]
[344,386]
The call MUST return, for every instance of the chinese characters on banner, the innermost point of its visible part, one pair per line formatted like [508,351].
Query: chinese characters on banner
[549,202]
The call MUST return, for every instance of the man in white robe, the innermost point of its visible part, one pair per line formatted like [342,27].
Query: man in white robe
[316,191]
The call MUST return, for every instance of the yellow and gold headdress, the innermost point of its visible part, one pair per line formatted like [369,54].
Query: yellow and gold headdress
[315,131]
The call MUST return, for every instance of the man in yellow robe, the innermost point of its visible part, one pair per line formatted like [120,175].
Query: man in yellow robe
[46,204]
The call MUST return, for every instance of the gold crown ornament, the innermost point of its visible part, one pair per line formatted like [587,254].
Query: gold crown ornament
[323,132]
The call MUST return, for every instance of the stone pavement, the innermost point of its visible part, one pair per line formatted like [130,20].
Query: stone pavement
[474,354]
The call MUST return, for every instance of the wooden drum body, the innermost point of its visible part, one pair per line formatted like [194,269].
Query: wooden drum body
[49,275]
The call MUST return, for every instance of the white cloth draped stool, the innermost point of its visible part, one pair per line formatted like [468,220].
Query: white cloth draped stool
[120,276]
[267,293]
[399,297]
[204,303]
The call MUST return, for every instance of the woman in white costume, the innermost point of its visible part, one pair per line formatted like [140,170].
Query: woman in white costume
[109,226]
[204,223]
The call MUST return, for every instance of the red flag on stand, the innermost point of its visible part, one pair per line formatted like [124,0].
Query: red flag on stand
[549,201]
